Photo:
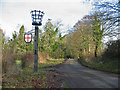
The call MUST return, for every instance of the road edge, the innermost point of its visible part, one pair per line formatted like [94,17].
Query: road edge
[79,61]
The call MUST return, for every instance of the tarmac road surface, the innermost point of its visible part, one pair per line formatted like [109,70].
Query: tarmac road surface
[78,76]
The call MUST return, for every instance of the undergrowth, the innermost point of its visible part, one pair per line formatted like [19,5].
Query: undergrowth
[27,79]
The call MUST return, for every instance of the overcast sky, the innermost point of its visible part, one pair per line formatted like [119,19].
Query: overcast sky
[14,13]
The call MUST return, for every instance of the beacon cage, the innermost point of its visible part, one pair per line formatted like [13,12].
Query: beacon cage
[37,16]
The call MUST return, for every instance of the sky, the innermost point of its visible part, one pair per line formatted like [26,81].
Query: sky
[14,13]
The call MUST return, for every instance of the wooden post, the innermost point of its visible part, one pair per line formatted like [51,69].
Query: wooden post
[36,50]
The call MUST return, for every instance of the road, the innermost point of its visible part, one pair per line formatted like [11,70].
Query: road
[78,76]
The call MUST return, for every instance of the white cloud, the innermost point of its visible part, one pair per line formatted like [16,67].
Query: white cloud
[16,12]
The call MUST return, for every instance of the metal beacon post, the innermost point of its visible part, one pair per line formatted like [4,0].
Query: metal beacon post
[37,16]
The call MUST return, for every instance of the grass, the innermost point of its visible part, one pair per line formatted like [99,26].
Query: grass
[18,63]
[110,65]
[65,86]
[52,62]
[27,79]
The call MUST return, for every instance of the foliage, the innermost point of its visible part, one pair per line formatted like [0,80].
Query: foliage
[49,41]
[97,33]
[8,57]
[20,44]
[86,35]
[112,50]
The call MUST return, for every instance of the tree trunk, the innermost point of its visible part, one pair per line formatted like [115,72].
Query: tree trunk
[96,49]
[89,48]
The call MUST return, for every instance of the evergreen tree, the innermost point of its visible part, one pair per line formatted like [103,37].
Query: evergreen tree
[21,45]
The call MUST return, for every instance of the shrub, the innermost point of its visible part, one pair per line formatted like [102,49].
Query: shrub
[27,59]
[113,49]
[8,63]
[43,57]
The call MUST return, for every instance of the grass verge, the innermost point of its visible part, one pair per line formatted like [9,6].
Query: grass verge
[52,62]
[65,86]
[109,65]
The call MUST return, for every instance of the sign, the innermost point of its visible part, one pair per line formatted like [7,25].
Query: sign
[28,37]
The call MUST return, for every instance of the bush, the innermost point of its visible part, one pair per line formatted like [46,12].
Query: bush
[27,59]
[113,49]
[8,63]
[43,57]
